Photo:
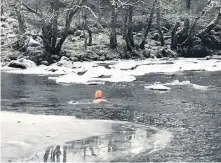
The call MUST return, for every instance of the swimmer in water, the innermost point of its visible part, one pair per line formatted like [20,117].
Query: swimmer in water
[99,97]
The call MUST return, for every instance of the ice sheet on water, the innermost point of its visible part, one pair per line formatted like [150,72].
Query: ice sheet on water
[158,87]
[188,83]
[24,134]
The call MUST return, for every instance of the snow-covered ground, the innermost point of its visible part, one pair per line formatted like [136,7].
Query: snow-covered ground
[118,71]
[25,134]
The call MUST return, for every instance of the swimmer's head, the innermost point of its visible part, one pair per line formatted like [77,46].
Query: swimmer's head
[98,94]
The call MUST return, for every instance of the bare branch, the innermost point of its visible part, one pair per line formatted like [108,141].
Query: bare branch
[31,10]
[92,12]
[211,25]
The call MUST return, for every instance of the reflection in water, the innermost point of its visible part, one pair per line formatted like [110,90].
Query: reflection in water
[124,143]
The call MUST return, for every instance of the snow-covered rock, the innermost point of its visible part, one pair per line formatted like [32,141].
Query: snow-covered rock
[33,43]
[22,63]
[125,65]
[96,72]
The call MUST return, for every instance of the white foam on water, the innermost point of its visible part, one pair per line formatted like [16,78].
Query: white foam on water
[79,103]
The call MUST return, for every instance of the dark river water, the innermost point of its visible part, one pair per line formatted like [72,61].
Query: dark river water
[193,116]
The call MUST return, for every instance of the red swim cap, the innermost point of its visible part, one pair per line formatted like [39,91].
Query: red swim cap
[98,94]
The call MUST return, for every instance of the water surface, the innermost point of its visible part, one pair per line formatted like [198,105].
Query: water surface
[191,115]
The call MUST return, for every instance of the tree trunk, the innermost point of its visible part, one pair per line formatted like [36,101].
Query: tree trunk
[191,30]
[130,25]
[50,31]
[147,30]
[2,9]
[125,24]
[20,18]
[174,36]
[65,148]
[211,25]
[99,12]
[90,37]
[129,29]
[46,37]
[55,26]
[113,34]
[183,33]
[188,4]
[159,23]
[69,17]
[86,27]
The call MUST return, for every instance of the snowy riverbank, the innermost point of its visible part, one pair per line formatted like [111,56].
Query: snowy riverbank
[116,71]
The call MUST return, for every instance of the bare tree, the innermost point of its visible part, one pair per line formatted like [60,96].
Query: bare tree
[52,43]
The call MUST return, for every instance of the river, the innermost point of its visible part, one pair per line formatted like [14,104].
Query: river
[187,111]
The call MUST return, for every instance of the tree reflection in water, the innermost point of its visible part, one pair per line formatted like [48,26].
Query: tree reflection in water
[122,144]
